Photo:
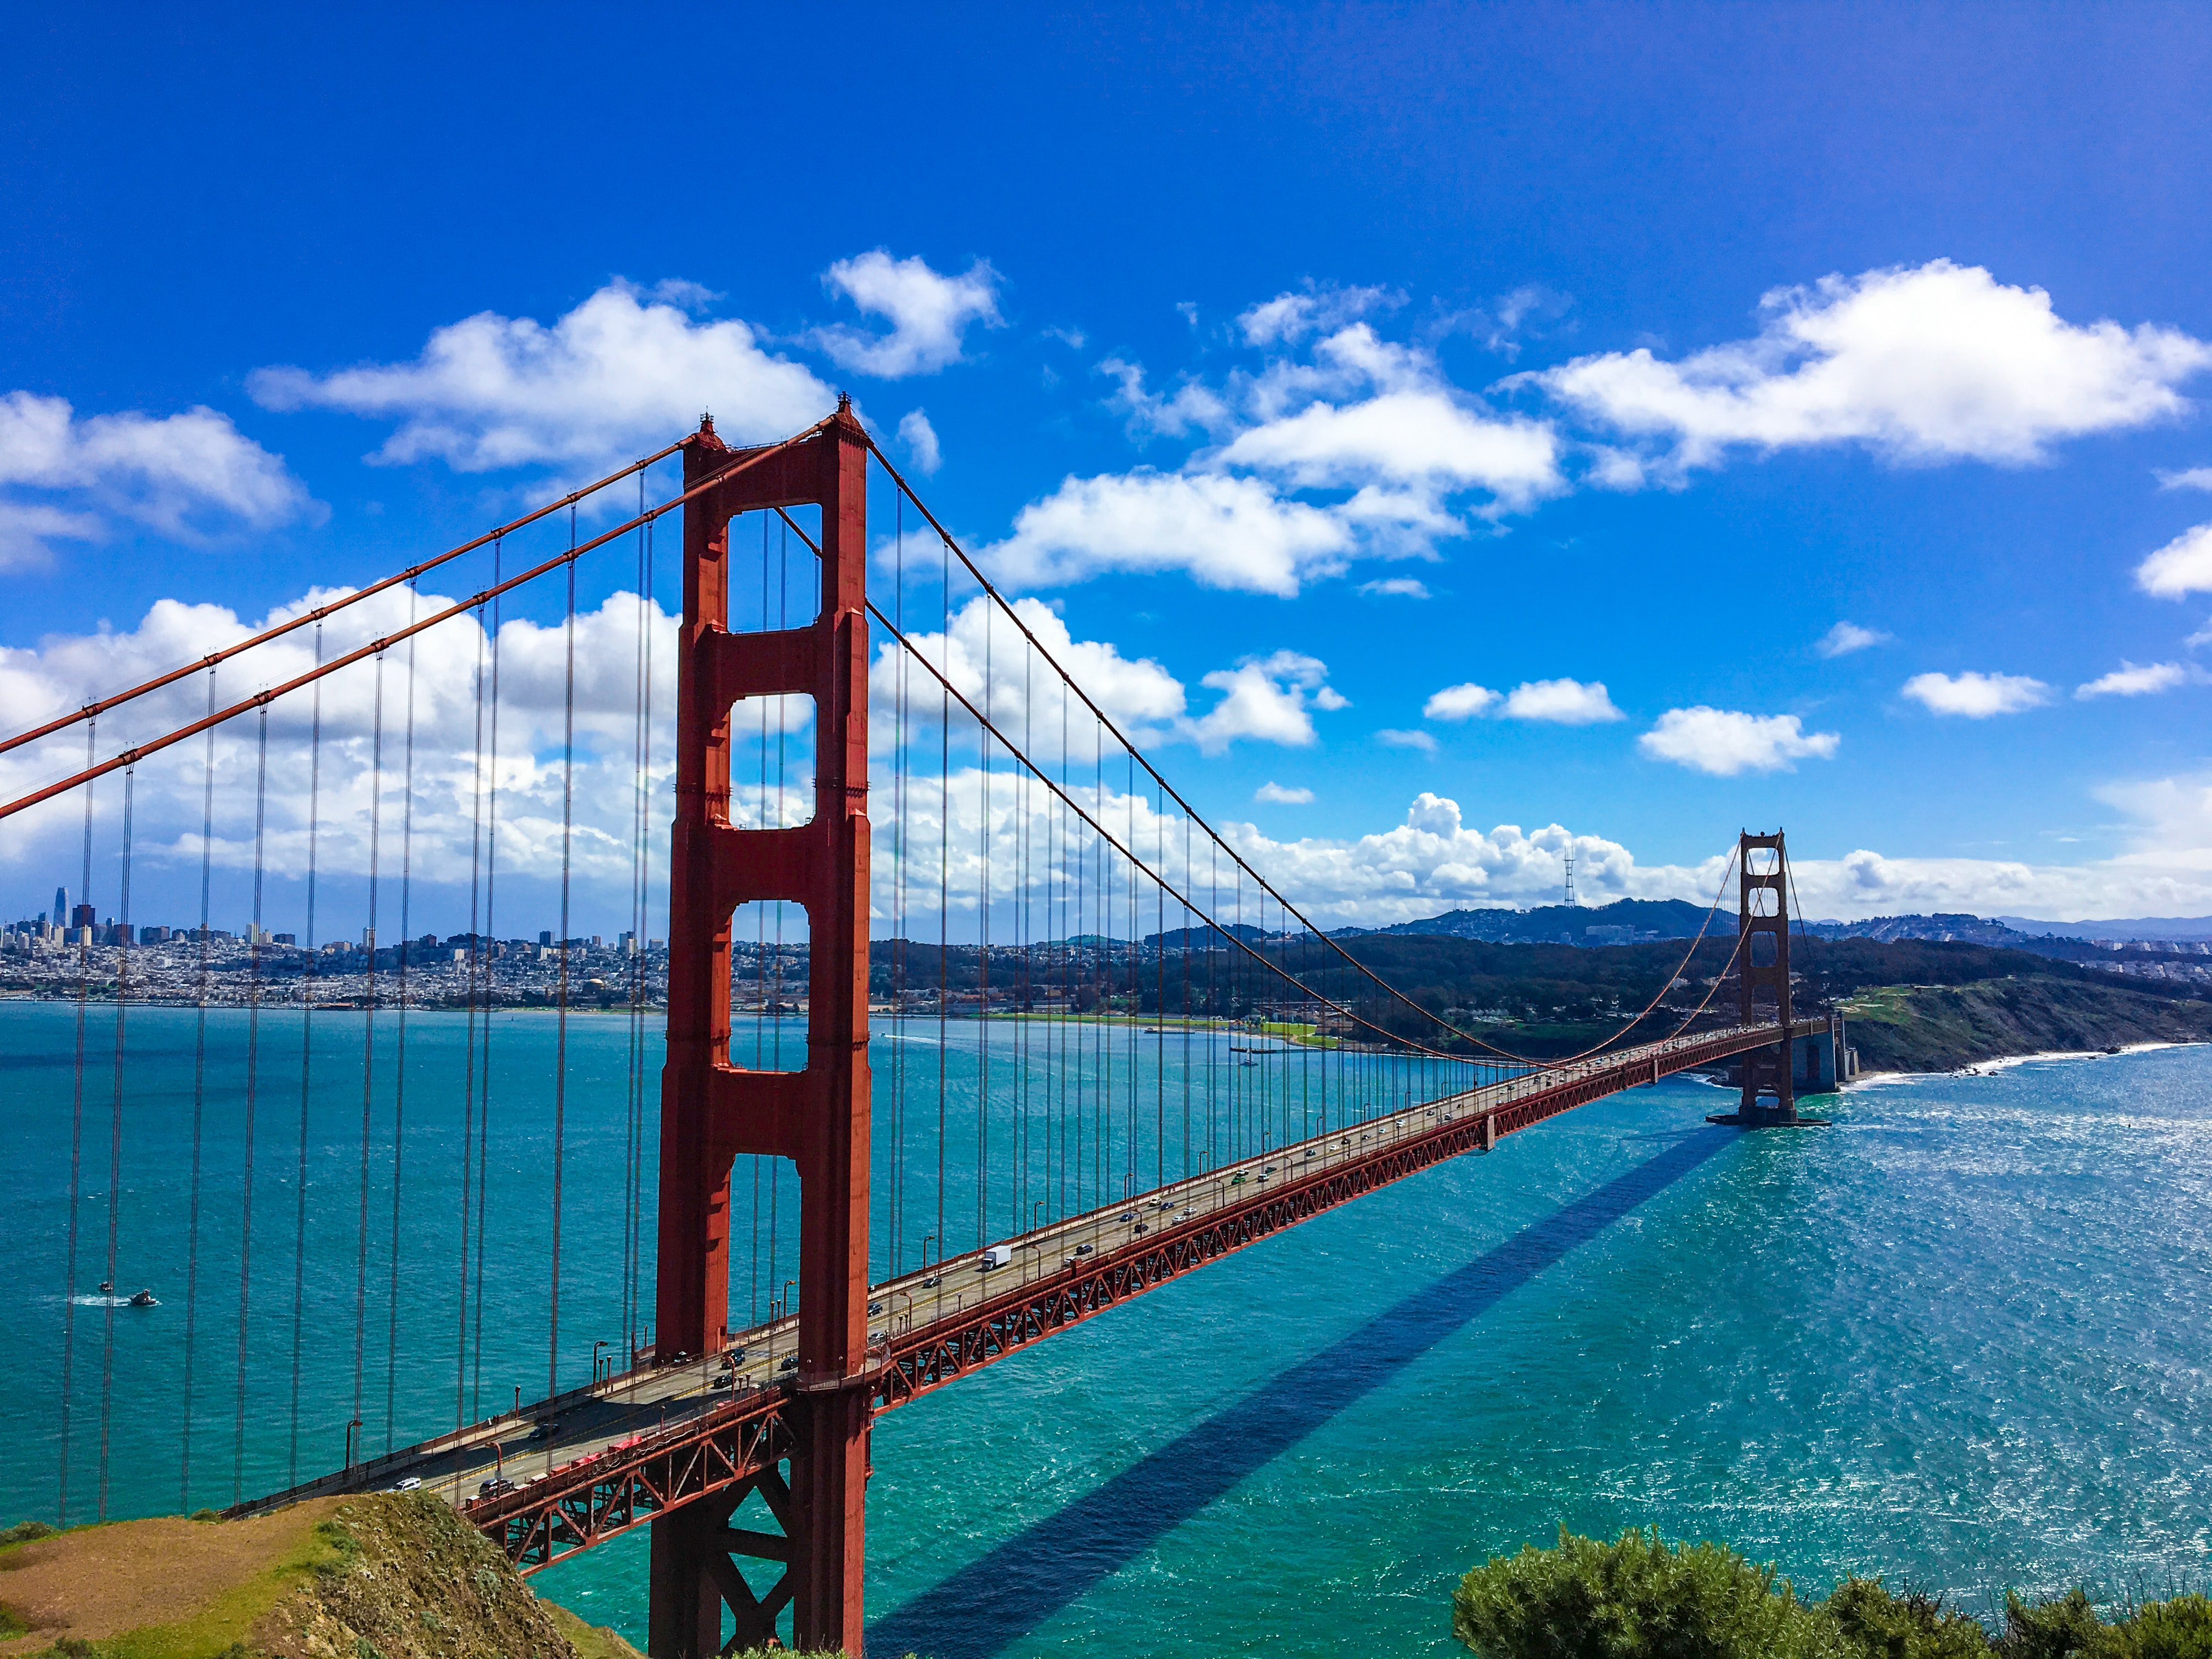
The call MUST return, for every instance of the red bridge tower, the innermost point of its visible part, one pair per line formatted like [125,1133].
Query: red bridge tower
[711,1112]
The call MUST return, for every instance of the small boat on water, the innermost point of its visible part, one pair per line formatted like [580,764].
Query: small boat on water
[145,1300]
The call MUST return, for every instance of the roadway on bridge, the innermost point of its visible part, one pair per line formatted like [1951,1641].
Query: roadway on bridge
[525,1446]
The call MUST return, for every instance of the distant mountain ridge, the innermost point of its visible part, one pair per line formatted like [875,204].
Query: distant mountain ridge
[2158,927]
[1634,921]
[1624,922]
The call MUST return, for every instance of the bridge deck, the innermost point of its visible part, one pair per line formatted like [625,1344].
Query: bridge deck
[598,1460]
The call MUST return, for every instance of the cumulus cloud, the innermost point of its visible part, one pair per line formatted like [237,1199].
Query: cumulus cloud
[2130,680]
[451,754]
[1267,699]
[1723,742]
[1560,702]
[1410,440]
[1397,587]
[1227,532]
[1927,363]
[187,475]
[1371,426]
[1283,795]
[1977,696]
[1263,699]
[2195,477]
[2182,566]
[1846,637]
[1459,703]
[989,662]
[627,370]
[920,440]
[1291,317]
[1398,739]
[929,313]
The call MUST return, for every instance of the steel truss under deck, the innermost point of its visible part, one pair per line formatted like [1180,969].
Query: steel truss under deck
[734,1448]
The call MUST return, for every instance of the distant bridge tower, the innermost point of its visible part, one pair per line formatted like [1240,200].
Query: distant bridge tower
[712,1112]
[1770,1096]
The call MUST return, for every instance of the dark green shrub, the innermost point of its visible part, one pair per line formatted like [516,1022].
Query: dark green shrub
[2057,1629]
[2179,1629]
[1913,1625]
[24,1531]
[1635,1599]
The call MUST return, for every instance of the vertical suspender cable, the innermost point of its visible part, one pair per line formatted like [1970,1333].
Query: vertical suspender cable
[561,1029]
[115,1136]
[306,1067]
[491,1002]
[399,1054]
[252,1097]
[477,958]
[199,1103]
[76,1148]
[369,1051]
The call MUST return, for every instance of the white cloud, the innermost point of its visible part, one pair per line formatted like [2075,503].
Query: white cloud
[1372,425]
[1420,439]
[625,371]
[1935,362]
[2182,566]
[1722,742]
[929,313]
[2128,680]
[1282,795]
[1432,862]
[1398,587]
[1561,702]
[2202,636]
[991,665]
[67,670]
[1291,317]
[1846,637]
[1267,699]
[2195,477]
[920,440]
[186,475]
[1194,406]
[1459,703]
[1396,740]
[1977,696]
[1227,532]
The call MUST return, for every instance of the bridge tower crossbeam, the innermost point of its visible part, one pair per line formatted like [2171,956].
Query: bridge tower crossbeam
[1763,930]
[713,1112]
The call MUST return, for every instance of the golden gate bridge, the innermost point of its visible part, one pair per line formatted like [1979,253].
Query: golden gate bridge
[1105,1180]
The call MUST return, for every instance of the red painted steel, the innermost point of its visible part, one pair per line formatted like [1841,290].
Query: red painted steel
[938,1352]
[643,1479]
[586,1504]
[1770,1095]
[712,1111]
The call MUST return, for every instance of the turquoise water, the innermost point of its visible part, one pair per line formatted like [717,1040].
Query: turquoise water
[1959,1338]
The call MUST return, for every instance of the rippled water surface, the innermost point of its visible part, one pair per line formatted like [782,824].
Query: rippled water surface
[1961,1338]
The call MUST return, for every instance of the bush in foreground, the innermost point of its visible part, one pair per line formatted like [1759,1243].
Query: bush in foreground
[1641,1598]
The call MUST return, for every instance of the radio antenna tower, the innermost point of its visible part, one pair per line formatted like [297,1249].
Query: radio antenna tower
[1571,880]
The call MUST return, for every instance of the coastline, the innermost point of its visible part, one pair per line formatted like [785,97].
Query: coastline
[2005,1062]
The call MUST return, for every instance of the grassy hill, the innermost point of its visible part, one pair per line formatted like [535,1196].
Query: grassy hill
[378,1577]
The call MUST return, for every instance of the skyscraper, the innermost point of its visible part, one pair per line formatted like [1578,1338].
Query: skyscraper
[61,907]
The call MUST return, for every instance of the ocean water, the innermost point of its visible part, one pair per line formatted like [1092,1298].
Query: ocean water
[1959,1338]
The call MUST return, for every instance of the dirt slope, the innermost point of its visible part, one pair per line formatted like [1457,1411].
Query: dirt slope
[378,1577]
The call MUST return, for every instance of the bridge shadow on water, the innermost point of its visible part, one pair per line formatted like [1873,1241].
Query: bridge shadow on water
[1017,1586]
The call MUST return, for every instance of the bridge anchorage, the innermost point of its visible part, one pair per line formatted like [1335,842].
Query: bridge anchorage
[1131,954]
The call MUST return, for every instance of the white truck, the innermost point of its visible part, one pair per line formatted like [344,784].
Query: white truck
[994,1256]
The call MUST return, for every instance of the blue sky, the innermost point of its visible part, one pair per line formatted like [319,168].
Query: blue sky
[1328,359]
